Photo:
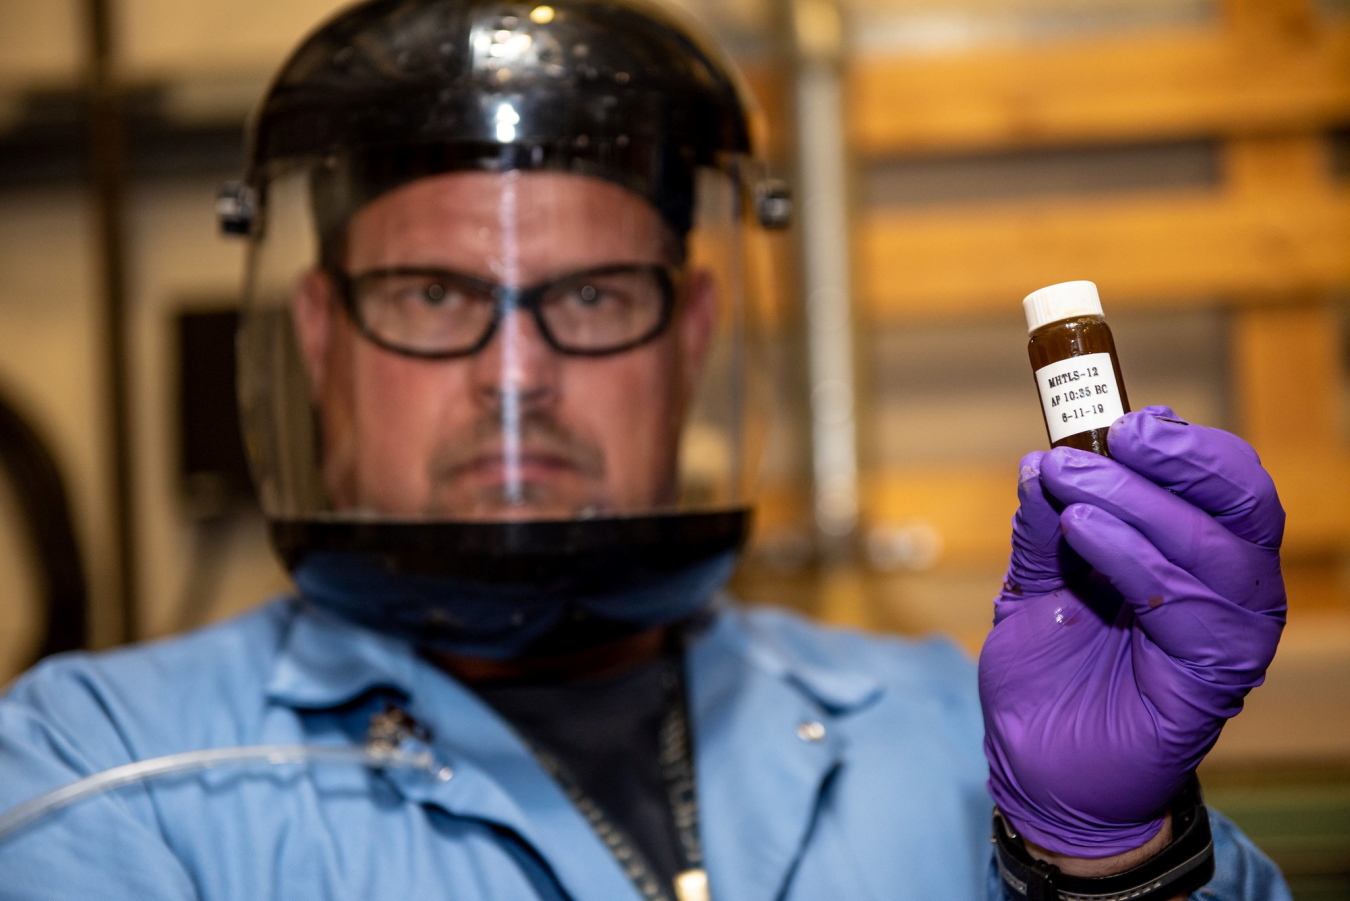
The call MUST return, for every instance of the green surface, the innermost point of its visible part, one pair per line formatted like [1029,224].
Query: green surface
[1301,819]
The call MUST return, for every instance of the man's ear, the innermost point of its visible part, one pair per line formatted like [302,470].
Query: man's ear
[312,308]
[697,322]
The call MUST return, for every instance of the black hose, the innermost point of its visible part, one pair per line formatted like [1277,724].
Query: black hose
[45,508]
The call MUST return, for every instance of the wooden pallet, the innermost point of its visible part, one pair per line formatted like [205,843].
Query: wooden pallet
[1270,243]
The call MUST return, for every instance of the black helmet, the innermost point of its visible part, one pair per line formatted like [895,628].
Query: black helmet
[605,132]
[621,89]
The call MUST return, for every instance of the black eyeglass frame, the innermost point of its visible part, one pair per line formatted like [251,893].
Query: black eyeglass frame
[506,298]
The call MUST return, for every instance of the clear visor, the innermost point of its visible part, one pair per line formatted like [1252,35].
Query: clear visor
[498,346]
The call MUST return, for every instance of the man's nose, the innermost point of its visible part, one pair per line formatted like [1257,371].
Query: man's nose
[519,362]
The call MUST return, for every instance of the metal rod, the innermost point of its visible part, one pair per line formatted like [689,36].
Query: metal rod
[823,188]
[108,182]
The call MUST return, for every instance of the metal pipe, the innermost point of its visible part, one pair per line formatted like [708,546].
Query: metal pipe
[826,264]
[108,181]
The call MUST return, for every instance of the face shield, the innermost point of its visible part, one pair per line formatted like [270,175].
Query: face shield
[499,324]
[500,376]
[482,345]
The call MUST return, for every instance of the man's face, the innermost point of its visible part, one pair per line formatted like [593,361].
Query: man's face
[518,429]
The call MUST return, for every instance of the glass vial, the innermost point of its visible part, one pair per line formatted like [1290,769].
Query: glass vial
[1077,371]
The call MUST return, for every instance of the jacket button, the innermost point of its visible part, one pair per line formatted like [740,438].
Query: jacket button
[811,731]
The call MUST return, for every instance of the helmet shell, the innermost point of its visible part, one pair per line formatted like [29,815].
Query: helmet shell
[574,73]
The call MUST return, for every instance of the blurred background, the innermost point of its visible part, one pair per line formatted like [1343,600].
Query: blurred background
[1190,156]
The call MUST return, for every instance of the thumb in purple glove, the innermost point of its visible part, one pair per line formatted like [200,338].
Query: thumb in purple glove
[1131,626]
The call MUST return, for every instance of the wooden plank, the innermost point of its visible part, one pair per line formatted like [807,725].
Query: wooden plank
[1178,247]
[1287,375]
[1302,713]
[167,40]
[971,508]
[1316,584]
[40,45]
[1183,83]
[1286,358]
[1265,22]
[845,598]
[768,84]
[771,271]
[1277,164]
[782,506]
[1314,487]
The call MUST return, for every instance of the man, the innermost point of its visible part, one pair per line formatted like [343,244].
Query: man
[490,374]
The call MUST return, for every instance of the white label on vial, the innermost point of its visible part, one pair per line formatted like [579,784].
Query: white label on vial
[1079,394]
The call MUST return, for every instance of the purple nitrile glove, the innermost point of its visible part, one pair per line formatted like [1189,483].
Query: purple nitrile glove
[1143,601]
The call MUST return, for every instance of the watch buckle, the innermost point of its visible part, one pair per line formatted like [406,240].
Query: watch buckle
[1042,887]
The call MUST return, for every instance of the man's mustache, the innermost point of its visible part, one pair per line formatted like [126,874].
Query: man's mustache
[496,438]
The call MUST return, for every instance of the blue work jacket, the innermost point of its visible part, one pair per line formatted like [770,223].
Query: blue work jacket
[830,765]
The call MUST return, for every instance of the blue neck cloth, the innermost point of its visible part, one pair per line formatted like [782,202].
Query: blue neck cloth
[499,622]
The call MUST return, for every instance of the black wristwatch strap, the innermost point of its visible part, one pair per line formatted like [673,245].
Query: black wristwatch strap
[1178,869]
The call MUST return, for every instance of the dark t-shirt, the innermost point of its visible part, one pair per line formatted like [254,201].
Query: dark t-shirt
[605,732]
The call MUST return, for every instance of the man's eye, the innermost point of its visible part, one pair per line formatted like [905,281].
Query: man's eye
[432,295]
[594,296]
[438,295]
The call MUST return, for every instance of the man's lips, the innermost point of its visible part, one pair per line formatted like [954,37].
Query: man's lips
[522,467]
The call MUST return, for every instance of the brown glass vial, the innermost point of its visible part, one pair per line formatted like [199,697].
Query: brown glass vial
[1074,361]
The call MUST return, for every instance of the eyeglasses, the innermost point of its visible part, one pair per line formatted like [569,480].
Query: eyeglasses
[439,314]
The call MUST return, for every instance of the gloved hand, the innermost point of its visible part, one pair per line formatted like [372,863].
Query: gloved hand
[1143,601]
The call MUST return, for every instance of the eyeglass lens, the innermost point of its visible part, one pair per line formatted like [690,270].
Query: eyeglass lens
[443,313]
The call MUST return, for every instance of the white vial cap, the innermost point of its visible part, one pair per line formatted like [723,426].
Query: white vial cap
[1063,301]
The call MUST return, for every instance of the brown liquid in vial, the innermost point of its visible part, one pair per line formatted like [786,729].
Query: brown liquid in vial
[1074,338]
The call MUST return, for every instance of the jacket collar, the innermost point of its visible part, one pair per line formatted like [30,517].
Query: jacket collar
[325,662]
[767,722]
[770,736]
[837,686]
